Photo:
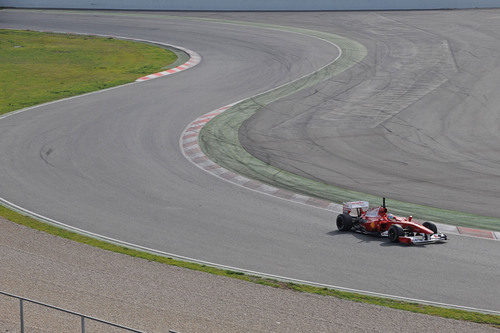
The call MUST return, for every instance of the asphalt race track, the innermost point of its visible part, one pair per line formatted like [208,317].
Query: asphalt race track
[425,101]
[110,162]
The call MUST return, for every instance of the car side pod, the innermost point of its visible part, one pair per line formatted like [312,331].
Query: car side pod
[425,239]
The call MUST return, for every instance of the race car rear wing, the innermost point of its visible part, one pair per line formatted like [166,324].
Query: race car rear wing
[348,207]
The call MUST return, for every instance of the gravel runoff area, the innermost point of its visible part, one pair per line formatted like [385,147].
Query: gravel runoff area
[157,297]
[109,163]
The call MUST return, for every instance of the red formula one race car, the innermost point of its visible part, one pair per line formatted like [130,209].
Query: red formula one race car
[376,221]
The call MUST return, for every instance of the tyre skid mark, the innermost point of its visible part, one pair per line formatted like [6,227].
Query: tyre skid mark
[192,151]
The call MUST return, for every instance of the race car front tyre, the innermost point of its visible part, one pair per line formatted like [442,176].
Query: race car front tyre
[394,232]
[344,222]
[431,226]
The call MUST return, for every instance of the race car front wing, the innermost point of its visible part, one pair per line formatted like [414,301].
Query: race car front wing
[423,239]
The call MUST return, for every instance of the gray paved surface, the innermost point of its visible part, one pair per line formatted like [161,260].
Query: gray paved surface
[155,297]
[418,122]
[110,163]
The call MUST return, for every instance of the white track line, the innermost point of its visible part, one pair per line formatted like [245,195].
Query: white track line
[263,188]
[166,254]
[246,271]
[196,125]
[192,54]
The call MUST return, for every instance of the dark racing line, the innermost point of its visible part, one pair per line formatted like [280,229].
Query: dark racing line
[119,172]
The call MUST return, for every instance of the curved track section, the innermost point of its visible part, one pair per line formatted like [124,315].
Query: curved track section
[419,124]
[109,163]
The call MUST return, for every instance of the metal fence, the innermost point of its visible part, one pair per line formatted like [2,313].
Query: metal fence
[83,318]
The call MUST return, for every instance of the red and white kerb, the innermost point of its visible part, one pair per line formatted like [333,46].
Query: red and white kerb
[192,151]
[194,59]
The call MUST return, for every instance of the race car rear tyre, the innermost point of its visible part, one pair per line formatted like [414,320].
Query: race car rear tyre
[344,222]
[394,232]
[430,226]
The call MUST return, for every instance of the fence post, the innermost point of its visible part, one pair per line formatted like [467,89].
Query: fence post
[21,314]
[82,316]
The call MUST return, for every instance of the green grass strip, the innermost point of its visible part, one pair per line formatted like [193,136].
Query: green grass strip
[219,140]
[21,219]
[475,317]
[38,67]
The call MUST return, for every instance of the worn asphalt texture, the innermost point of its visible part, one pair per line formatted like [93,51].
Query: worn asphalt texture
[418,121]
[110,162]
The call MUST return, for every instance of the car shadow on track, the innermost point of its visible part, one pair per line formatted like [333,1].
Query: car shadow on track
[366,238]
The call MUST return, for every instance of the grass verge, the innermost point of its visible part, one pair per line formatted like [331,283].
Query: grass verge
[481,318]
[38,67]
[52,80]
[219,140]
